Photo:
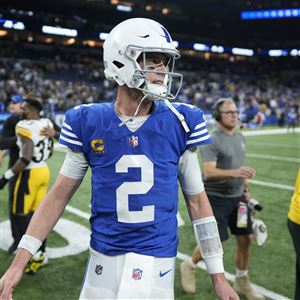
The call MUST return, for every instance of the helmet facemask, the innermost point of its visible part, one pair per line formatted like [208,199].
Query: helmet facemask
[140,78]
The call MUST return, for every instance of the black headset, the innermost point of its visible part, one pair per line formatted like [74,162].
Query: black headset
[216,112]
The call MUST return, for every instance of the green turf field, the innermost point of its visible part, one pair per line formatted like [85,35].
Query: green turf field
[272,265]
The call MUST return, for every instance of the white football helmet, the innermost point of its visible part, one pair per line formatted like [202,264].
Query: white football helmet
[133,39]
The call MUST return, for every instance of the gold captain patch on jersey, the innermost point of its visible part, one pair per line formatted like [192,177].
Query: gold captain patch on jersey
[98,146]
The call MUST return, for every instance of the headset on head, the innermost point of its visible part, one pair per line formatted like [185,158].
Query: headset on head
[216,112]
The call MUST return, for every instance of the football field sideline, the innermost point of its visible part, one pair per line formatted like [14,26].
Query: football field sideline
[273,157]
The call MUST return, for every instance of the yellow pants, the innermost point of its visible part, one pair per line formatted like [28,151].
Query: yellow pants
[30,189]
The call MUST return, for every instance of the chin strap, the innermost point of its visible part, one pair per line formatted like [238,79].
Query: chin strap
[135,114]
[179,116]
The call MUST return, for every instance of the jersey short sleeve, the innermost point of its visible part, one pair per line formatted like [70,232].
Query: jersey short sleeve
[194,118]
[70,134]
[24,128]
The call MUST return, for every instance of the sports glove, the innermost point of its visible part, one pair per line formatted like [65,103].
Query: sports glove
[5,177]
[3,182]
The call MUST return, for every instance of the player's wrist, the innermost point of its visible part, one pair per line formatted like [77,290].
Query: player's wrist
[217,278]
[30,243]
[214,265]
[8,174]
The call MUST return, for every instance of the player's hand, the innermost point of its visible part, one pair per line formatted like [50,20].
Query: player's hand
[223,289]
[48,132]
[8,282]
[245,172]
[3,182]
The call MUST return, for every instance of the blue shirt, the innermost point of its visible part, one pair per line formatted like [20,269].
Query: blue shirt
[134,174]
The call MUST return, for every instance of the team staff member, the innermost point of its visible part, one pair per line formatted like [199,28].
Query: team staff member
[225,178]
[294,228]
[31,171]
[133,147]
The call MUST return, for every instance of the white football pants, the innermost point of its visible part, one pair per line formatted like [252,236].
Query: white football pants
[128,276]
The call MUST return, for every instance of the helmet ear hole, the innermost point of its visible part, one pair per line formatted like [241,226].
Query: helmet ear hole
[118,64]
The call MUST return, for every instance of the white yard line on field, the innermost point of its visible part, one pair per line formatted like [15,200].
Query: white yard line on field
[271,184]
[273,145]
[272,157]
[268,131]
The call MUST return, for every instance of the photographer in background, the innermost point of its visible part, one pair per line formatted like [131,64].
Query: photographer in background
[225,182]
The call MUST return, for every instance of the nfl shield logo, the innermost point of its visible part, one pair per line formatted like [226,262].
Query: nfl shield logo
[98,269]
[137,274]
[134,141]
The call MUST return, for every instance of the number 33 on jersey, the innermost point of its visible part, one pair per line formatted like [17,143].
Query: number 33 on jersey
[43,146]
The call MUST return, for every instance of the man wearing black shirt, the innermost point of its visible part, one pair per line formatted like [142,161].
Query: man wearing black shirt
[8,141]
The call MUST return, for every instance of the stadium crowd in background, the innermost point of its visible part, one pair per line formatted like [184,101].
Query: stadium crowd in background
[69,80]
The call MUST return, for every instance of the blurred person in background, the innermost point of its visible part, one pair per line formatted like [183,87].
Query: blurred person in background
[30,171]
[225,182]
[292,120]
[8,145]
[294,228]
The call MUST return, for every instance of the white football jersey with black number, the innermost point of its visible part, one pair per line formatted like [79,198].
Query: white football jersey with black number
[43,146]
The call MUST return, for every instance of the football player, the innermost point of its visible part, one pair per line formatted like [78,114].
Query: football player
[133,147]
[31,172]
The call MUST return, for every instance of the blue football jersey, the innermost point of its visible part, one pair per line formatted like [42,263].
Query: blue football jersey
[134,174]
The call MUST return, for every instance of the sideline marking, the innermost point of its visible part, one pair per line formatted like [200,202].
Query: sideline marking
[271,184]
[272,157]
[262,144]
[268,131]
[77,243]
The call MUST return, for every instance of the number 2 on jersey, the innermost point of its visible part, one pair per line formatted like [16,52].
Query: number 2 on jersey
[134,188]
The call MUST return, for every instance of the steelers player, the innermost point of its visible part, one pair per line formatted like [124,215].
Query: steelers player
[31,171]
